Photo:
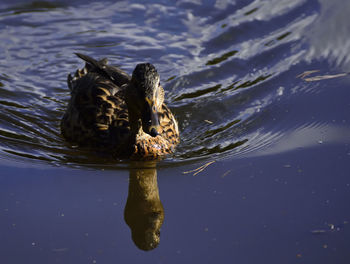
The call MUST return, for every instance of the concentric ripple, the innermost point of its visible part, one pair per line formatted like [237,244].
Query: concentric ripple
[223,66]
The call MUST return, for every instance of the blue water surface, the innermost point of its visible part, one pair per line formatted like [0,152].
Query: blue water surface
[273,136]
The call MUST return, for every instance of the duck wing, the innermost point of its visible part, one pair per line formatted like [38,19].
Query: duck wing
[97,114]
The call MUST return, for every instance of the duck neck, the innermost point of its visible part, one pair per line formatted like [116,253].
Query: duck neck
[135,125]
[134,117]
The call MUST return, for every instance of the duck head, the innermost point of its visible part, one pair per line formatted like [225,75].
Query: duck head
[144,98]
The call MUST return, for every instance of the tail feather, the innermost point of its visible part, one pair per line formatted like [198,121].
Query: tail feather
[101,67]
[97,64]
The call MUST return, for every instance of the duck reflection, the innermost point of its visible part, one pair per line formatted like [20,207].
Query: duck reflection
[144,211]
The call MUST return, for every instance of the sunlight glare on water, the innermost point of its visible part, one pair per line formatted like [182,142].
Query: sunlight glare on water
[224,67]
[260,89]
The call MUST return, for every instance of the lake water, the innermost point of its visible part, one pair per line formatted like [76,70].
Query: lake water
[273,141]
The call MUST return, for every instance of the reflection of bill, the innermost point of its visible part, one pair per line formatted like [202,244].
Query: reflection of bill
[144,211]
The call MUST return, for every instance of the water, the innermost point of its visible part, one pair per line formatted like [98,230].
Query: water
[279,185]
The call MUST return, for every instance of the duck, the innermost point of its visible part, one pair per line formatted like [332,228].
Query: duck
[114,112]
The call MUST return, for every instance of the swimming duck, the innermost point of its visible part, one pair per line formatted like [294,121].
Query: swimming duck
[111,111]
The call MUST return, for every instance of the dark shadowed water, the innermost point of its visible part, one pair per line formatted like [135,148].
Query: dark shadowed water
[277,187]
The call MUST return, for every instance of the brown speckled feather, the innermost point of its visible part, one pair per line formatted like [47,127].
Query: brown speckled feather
[154,147]
[97,115]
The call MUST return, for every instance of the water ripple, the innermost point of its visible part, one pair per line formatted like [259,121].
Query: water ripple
[224,64]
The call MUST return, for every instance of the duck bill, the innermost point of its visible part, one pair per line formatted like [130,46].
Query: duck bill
[150,120]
